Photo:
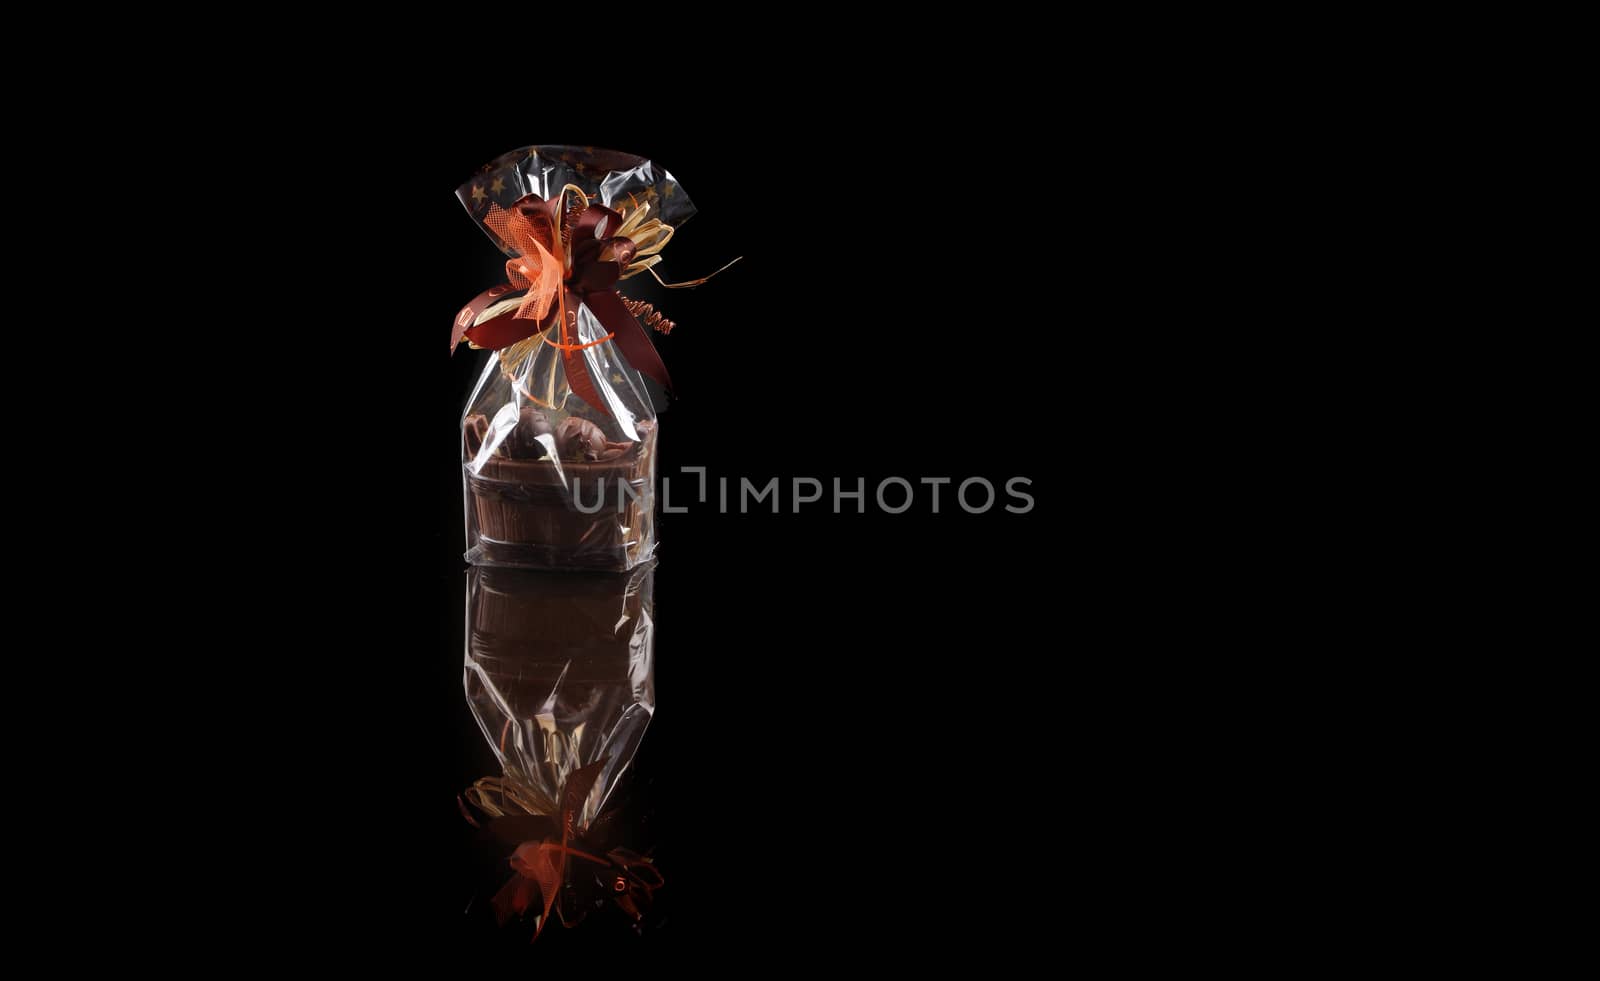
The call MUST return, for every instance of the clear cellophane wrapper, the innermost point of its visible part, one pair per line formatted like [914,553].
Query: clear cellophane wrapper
[559,435]
[560,675]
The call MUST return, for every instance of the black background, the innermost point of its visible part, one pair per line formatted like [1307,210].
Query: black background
[1008,251]
[873,730]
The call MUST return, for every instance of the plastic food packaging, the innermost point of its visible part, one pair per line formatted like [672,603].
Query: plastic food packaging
[558,438]
[560,675]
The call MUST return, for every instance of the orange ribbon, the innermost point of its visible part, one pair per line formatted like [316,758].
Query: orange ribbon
[568,251]
[536,269]
[540,865]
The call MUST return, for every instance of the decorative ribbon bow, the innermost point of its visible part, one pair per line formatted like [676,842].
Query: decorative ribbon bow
[540,862]
[571,251]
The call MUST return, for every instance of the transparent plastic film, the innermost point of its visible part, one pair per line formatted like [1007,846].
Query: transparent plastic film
[558,438]
[614,179]
[552,482]
[560,675]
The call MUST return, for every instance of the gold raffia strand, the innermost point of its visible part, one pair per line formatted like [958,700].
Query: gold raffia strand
[518,354]
[691,282]
[648,315]
[567,212]
[502,796]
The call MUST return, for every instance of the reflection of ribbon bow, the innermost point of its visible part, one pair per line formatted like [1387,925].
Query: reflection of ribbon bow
[541,860]
[569,250]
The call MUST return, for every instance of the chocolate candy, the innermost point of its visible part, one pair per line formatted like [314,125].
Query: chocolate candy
[580,439]
[523,443]
[473,431]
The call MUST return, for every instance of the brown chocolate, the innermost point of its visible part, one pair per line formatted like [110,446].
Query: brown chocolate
[474,430]
[524,513]
[580,439]
[523,442]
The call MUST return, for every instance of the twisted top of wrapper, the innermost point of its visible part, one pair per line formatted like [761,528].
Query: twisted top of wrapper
[575,221]
[619,181]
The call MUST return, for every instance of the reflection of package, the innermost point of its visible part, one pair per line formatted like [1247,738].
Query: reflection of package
[560,674]
[558,439]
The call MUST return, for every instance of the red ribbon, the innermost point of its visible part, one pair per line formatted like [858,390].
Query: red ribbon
[540,864]
[559,265]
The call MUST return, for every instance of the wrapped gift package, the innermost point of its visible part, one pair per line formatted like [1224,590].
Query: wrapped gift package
[558,438]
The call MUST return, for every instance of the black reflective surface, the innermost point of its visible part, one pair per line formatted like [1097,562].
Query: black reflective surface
[867,730]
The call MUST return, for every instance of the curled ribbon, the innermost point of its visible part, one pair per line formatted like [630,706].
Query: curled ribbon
[570,251]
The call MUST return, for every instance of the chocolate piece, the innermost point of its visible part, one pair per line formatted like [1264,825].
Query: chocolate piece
[523,443]
[580,439]
[524,511]
[534,421]
[474,430]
